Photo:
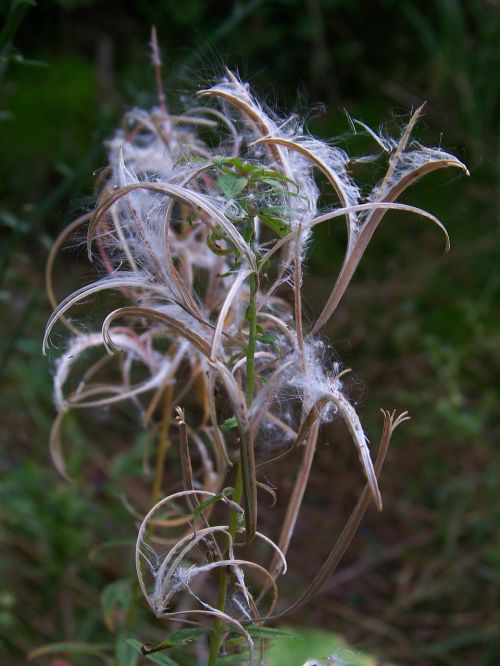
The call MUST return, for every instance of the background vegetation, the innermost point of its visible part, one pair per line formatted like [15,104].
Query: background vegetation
[420,329]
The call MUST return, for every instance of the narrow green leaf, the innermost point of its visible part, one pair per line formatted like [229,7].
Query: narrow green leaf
[161,659]
[96,649]
[107,545]
[18,59]
[125,654]
[249,233]
[204,505]
[186,635]
[314,647]
[181,637]
[229,424]
[274,223]
[270,632]
[115,596]
[17,10]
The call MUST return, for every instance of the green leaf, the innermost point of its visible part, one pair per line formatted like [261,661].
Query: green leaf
[17,59]
[186,635]
[181,637]
[116,596]
[161,659]
[274,223]
[279,211]
[204,505]
[219,161]
[270,632]
[96,649]
[230,185]
[229,424]
[125,654]
[276,183]
[96,552]
[314,646]
[18,9]
[249,233]
[268,339]
[12,222]
[222,162]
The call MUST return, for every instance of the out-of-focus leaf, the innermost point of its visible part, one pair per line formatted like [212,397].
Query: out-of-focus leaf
[321,646]
[125,653]
[18,59]
[271,632]
[96,649]
[116,596]
[108,545]
[181,637]
[16,14]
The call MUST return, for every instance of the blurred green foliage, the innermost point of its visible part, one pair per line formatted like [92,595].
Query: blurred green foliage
[423,327]
[318,646]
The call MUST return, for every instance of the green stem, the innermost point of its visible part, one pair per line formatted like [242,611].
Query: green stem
[218,628]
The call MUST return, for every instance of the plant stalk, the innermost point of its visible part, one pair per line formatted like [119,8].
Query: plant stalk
[218,628]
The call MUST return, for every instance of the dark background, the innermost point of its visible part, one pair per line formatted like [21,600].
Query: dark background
[420,584]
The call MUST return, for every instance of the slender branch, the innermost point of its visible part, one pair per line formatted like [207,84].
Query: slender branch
[218,628]
[245,474]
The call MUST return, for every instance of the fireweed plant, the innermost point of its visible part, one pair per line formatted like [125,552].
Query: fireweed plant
[198,236]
